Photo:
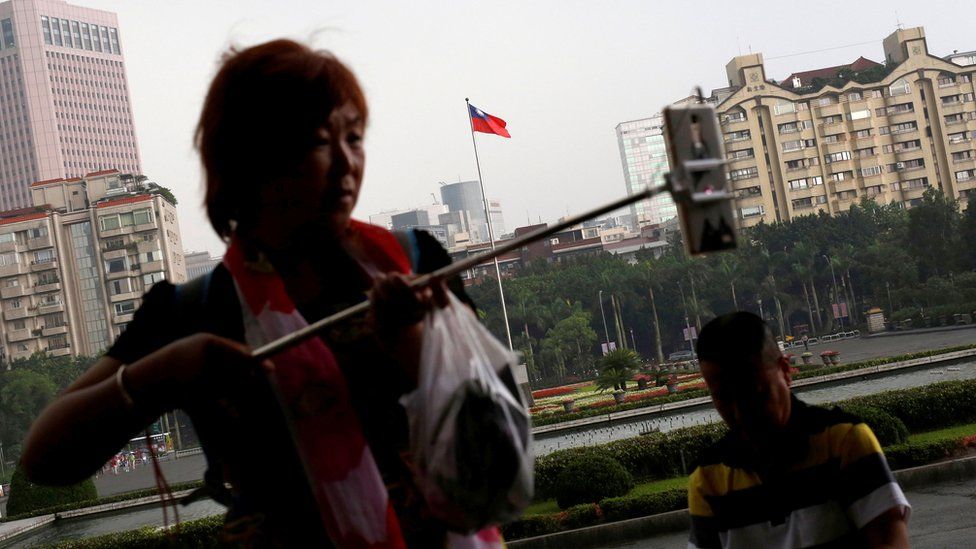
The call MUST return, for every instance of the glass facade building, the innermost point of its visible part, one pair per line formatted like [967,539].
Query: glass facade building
[645,161]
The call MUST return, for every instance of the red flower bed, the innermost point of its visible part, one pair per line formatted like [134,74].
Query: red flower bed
[554,391]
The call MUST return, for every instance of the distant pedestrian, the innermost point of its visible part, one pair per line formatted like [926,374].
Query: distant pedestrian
[806,343]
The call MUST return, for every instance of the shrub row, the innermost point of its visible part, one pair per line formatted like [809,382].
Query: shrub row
[194,534]
[926,408]
[27,497]
[178,487]
[608,510]
[560,417]
[647,457]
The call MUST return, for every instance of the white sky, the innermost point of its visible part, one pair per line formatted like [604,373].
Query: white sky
[561,73]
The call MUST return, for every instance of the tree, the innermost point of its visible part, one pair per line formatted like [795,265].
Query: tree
[967,233]
[933,229]
[616,368]
[23,394]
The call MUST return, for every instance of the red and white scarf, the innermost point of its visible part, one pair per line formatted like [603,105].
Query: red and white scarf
[352,498]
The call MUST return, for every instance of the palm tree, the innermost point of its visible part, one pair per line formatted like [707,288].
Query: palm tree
[616,368]
[729,267]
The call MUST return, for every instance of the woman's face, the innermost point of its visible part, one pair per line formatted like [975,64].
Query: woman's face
[315,200]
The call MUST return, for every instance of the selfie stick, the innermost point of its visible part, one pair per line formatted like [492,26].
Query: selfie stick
[458,267]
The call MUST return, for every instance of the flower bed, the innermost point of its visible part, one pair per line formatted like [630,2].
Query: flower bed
[553,391]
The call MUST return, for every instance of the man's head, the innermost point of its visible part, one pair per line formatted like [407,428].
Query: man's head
[748,376]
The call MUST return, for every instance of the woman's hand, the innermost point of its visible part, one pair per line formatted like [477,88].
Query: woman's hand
[199,366]
[397,306]
[396,312]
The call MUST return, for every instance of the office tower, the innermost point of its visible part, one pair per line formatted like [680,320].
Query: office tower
[64,98]
[645,161]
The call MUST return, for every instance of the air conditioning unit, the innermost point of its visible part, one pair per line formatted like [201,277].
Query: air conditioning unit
[899,166]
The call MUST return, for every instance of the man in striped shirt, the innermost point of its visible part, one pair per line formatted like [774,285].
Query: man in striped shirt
[787,474]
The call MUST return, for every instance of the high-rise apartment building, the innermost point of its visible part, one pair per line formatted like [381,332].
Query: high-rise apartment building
[645,161]
[64,98]
[74,268]
[821,140]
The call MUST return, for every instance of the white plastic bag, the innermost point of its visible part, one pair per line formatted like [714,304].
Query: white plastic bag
[469,436]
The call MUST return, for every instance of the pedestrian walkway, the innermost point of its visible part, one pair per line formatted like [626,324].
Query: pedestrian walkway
[186,469]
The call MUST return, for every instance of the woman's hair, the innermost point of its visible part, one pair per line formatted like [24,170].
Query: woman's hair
[260,119]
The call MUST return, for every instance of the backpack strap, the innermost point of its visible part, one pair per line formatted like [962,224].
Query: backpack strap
[192,300]
[408,241]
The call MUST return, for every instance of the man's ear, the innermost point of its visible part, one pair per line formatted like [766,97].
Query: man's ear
[784,366]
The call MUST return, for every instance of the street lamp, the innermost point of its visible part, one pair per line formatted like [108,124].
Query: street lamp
[606,333]
[840,317]
[891,308]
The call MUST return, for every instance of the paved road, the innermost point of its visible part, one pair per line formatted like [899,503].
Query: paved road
[943,516]
[185,469]
[853,350]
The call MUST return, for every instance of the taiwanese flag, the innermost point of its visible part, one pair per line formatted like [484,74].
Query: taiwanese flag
[486,123]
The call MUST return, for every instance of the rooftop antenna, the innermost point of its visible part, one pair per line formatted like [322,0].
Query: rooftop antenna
[898,21]
[738,44]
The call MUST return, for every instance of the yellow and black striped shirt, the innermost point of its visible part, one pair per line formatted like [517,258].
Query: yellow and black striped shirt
[836,482]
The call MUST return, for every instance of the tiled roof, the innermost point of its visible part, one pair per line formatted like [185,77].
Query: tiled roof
[18,219]
[806,77]
[124,200]
[103,172]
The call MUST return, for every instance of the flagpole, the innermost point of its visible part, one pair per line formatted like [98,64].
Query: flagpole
[491,234]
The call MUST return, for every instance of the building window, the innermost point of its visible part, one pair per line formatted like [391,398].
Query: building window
[805,183]
[120,286]
[870,171]
[153,278]
[859,115]
[43,256]
[899,87]
[109,222]
[19,324]
[6,237]
[747,173]
[125,307]
[9,258]
[784,107]
[116,265]
[751,211]
[837,157]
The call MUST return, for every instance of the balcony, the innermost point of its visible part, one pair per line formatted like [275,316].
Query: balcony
[39,242]
[12,269]
[47,287]
[144,246]
[911,194]
[14,314]
[112,246]
[144,227]
[12,291]
[43,265]
[902,117]
[964,161]
[60,351]
[14,336]
[125,296]
[957,107]
[829,110]
[958,145]
[56,329]
[152,266]
[838,166]
[900,153]
[904,130]
[845,185]
[120,319]
[862,123]
[115,254]
[46,308]
[11,246]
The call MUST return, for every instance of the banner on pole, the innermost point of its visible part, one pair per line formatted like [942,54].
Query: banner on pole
[690,333]
[612,347]
[840,310]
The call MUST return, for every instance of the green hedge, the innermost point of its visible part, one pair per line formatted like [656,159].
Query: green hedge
[27,497]
[194,534]
[887,428]
[913,454]
[647,457]
[641,506]
[589,479]
[179,487]
[926,408]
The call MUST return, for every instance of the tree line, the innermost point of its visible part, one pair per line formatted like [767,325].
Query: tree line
[911,263]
